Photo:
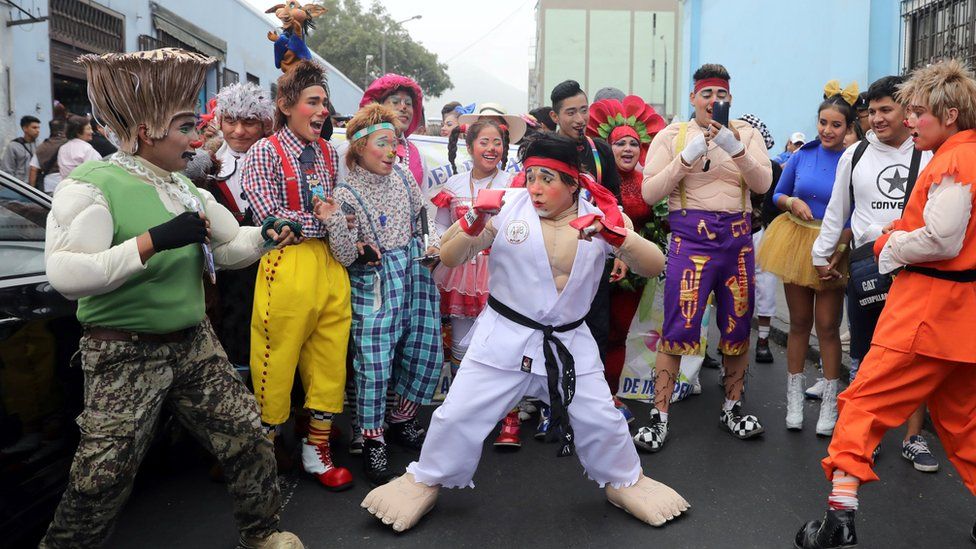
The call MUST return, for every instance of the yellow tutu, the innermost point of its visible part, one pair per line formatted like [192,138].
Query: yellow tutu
[786,251]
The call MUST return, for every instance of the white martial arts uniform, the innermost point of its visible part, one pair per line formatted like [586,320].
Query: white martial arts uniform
[505,360]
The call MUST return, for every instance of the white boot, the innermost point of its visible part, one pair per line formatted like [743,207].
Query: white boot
[794,401]
[828,408]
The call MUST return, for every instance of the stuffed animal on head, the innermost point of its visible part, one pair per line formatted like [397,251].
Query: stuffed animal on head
[296,20]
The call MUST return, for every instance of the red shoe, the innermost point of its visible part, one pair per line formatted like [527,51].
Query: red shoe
[509,435]
[317,461]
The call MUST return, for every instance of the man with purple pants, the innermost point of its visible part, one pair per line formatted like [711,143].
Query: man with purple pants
[706,170]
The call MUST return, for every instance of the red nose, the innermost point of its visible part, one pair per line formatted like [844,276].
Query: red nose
[905,123]
[196,144]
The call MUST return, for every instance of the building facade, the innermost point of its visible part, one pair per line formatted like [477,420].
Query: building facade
[40,39]
[626,44]
[936,29]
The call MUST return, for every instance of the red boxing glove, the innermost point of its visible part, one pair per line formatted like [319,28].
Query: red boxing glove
[585,224]
[443,199]
[488,203]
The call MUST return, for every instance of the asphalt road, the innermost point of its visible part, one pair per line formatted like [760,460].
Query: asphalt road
[743,493]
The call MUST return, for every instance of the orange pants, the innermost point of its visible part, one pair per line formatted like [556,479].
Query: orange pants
[890,385]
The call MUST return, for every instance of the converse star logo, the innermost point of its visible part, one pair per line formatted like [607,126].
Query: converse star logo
[893,180]
[516,231]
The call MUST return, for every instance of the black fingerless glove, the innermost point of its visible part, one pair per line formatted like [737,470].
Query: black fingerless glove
[186,228]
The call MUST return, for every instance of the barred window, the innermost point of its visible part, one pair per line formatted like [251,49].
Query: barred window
[939,29]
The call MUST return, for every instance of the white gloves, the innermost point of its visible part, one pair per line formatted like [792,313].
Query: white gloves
[727,141]
[695,149]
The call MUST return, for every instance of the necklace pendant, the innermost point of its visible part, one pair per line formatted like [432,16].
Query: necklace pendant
[383,220]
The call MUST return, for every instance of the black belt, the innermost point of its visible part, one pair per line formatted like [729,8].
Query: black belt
[559,417]
[968,275]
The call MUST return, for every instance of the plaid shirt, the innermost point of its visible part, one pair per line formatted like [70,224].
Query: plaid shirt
[263,181]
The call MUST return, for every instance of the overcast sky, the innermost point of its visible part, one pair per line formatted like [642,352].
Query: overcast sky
[486,46]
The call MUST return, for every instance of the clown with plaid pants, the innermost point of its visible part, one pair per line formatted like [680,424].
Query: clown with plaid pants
[395,304]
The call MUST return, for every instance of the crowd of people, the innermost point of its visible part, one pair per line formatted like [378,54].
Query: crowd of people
[276,253]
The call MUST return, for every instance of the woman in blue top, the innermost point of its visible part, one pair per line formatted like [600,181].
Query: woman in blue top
[803,192]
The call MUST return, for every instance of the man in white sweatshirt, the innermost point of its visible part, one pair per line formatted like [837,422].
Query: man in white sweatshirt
[875,173]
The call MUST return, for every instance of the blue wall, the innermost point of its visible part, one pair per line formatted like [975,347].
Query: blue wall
[780,54]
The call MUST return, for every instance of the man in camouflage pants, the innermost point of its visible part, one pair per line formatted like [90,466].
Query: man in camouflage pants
[126,385]
[130,238]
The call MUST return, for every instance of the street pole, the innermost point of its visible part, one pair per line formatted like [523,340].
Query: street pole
[383,40]
[369,58]
[665,76]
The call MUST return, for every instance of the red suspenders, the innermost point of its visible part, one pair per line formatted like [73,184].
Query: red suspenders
[292,195]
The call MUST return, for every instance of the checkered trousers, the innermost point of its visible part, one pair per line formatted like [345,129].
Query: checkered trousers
[395,332]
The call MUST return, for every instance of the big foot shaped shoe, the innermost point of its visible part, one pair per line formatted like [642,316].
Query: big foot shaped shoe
[401,503]
[648,501]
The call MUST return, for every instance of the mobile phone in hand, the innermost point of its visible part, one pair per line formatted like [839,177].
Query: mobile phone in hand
[720,112]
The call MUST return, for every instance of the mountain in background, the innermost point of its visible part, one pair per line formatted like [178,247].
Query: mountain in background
[474,85]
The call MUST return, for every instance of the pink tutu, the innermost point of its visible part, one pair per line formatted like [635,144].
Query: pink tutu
[464,289]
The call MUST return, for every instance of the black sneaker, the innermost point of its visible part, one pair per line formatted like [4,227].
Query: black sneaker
[763,354]
[408,434]
[972,535]
[376,464]
[835,531]
[916,450]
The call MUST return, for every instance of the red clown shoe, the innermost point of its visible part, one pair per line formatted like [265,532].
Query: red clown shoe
[317,461]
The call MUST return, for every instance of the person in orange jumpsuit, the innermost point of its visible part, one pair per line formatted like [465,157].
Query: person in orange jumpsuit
[923,349]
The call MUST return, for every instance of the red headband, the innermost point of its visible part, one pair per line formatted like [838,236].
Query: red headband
[623,131]
[552,164]
[603,198]
[711,82]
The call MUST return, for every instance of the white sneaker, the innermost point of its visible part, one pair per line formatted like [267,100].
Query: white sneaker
[815,392]
[794,401]
[696,387]
[828,408]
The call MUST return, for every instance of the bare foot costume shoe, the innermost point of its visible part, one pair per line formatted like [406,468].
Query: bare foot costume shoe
[401,503]
[648,501]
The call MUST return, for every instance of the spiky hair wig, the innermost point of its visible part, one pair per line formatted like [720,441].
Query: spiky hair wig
[305,74]
[244,101]
[942,86]
[148,88]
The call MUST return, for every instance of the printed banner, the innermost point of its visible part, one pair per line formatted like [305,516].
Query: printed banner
[434,151]
[637,377]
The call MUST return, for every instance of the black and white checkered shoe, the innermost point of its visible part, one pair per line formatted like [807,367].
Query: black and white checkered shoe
[741,426]
[652,437]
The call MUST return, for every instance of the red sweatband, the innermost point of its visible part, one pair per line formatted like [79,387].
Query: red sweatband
[621,132]
[711,82]
[552,164]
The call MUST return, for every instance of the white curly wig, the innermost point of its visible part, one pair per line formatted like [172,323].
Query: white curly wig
[244,100]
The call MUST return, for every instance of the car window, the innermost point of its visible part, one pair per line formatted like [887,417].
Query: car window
[22,221]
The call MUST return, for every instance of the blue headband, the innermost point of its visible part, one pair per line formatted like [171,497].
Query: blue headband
[374,128]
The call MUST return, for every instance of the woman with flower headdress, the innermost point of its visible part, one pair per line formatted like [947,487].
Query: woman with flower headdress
[803,191]
[464,289]
[628,126]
